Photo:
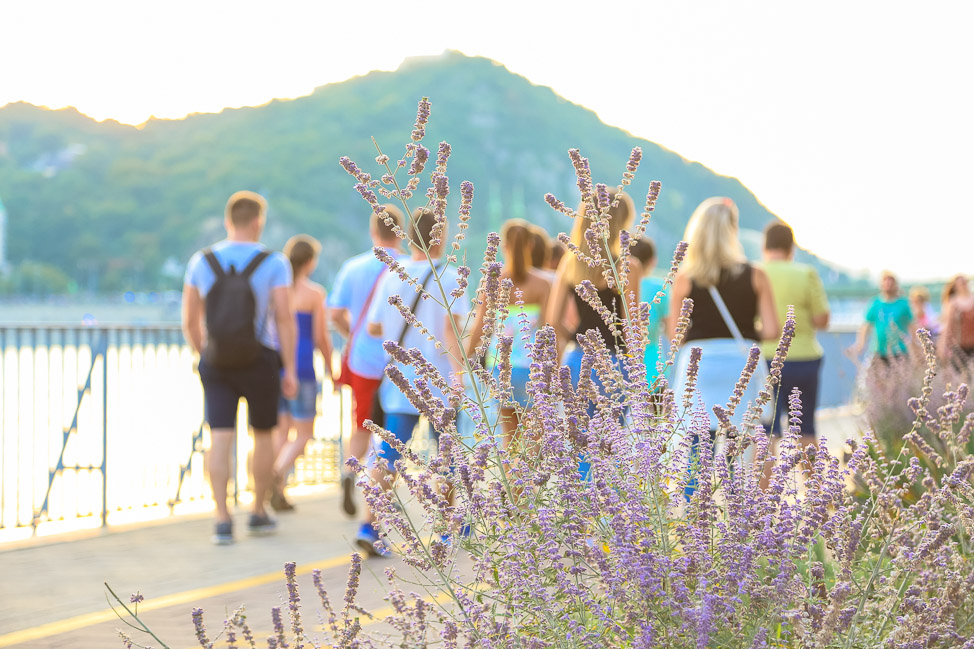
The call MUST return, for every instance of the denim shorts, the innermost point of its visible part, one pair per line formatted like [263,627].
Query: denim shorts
[305,405]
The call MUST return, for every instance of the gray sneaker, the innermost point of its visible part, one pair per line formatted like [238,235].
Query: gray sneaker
[223,533]
[261,525]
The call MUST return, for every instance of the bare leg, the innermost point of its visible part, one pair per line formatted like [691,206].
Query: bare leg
[263,467]
[509,422]
[220,445]
[281,432]
[293,449]
[358,444]
[769,464]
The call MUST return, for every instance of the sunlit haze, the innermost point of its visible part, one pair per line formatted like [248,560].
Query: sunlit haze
[852,121]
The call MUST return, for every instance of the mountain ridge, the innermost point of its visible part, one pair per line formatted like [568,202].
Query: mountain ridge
[509,136]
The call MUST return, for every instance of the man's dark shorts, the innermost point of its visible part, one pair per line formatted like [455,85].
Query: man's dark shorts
[259,384]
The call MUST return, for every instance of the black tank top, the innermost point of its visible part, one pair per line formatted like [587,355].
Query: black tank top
[589,319]
[736,287]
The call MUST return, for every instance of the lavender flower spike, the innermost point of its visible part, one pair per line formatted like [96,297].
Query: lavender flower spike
[634,158]
[422,117]
[200,629]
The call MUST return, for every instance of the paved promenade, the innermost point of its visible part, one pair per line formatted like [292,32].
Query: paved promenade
[51,592]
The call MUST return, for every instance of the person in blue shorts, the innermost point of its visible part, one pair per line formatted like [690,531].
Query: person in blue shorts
[308,299]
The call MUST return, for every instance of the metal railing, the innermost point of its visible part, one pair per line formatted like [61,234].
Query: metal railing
[103,425]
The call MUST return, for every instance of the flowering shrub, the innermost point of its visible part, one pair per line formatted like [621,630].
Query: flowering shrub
[938,429]
[620,556]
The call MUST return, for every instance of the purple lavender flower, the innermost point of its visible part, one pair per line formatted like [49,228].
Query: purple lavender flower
[422,117]
[200,629]
[420,158]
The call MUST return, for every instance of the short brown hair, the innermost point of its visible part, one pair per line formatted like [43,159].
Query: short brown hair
[300,250]
[644,250]
[778,236]
[245,207]
[378,223]
[421,226]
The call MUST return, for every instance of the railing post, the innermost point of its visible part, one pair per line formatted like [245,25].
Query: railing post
[104,429]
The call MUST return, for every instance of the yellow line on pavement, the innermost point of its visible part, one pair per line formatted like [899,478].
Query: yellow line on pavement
[88,619]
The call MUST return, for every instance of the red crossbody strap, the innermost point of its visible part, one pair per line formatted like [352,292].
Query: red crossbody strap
[361,316]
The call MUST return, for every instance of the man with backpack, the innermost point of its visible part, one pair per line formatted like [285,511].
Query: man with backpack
[237,317]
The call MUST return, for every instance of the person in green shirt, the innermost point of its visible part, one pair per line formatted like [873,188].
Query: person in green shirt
[890,316]
[797,285]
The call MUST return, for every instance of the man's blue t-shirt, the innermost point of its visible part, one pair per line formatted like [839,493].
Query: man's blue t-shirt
[353,283]
[273,272]
[891,320]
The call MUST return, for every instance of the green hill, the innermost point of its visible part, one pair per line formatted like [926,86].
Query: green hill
[116,207]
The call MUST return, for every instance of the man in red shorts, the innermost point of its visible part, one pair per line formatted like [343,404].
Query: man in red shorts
[363,358]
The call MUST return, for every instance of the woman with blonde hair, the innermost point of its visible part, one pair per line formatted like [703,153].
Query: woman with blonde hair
[532,287]
[733,305]
[573,271]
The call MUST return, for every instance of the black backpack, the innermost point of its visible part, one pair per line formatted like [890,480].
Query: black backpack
[231,308]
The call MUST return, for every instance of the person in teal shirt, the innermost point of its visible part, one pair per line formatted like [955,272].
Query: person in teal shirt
[891,318]
[649,287]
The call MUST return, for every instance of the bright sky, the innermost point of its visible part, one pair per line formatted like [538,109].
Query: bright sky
[851,120]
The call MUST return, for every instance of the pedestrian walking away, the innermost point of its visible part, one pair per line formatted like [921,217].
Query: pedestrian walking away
[531,288]
[363,358]
[733,308]
[440,347]
[308,299]
[574,272]
[654,292]
[800,287]
[956,344]
[236,291]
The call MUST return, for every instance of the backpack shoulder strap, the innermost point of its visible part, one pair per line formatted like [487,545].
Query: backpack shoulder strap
[255,262]
[214,263]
